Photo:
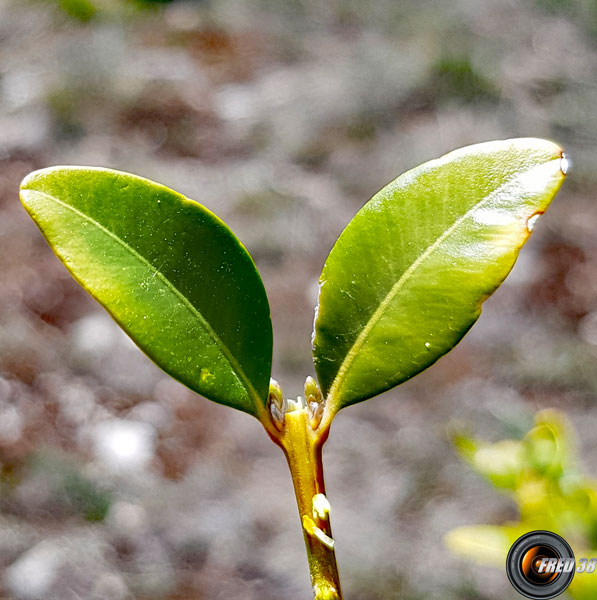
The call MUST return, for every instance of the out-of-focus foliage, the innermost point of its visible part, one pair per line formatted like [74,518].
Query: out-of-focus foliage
[70,490]
[83,10]
[542,474]
[456,78]
[86,10]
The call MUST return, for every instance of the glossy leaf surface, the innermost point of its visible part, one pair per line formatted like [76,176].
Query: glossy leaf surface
[168,270]
[407,277]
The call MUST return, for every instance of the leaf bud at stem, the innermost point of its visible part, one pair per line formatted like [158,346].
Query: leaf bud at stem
[277,404]
[314,402]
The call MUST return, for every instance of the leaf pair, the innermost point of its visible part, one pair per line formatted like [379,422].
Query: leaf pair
[402,285]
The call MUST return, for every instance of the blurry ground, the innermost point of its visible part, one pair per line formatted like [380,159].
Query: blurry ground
[283,118]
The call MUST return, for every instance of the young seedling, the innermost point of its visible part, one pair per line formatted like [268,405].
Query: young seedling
[403,283]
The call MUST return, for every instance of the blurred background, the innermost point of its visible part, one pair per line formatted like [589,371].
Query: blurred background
[284,118]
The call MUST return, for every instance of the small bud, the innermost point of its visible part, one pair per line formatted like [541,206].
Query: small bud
[275,393]
[321,506]
[316,413]
[314,531]
[277,404]
[312,393]
[314,401]
[292,405]
[277,417]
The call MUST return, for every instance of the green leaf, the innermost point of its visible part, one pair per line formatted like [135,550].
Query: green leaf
[171,273]
[550,445]
[485,544]
[407,277]
[502,463]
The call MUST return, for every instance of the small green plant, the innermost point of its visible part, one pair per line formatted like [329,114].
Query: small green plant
[542,475]
[403,283]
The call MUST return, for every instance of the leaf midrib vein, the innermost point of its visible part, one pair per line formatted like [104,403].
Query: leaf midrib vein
[236,368]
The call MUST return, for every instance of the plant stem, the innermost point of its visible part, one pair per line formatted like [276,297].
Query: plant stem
[302,446]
